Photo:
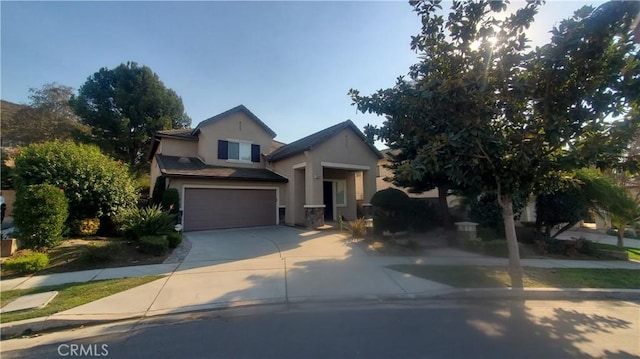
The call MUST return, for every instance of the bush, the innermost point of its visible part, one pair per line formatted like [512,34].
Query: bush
[158,190]
[171,200]
[487,212]
[101,254]
[86,227]
[423,215]
[564,206]
[94,184]
[174,238]
[155,245]
[148,221]
[495,248]
[358,228]
[391,211]
[39,215]
[26,263]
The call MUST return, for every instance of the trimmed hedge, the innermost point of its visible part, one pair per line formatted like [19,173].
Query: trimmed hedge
[39,214]
[174,238]
[155,245]
[95,185]
[391,211]
[27,263]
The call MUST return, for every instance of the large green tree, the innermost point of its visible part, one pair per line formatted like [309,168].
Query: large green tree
[47,117]
[507,119]
[124,107]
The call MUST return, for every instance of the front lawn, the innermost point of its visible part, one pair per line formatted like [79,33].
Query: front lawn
[92,253]
[497,277]
[70,295]
[634,253]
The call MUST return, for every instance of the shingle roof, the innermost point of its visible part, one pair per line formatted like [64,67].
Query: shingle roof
[174,166]
[186,133]
[239,108]
[313,140]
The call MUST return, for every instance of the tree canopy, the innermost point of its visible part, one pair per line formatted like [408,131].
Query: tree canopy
[47,117]
[124,107]
[490,114]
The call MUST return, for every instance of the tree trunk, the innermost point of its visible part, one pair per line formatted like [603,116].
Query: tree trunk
[445,216]
[620,238]
[515,268]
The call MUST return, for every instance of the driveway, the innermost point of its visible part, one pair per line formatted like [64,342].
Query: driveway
[276,264]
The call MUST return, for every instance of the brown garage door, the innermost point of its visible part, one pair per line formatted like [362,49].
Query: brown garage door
[215,208]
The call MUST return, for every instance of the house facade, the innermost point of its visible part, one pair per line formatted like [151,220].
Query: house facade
[230,172]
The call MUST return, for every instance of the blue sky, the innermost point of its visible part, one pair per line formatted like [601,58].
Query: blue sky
[290,63]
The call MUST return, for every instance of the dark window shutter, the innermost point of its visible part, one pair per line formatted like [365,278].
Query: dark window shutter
[255,153]
[223,150]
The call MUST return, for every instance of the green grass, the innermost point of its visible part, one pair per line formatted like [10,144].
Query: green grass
[70,295]
[634,253]
[496,277]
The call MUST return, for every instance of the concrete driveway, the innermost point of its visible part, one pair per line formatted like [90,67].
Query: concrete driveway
[275,264]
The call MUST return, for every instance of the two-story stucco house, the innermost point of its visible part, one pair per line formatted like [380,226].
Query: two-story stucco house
[230,172]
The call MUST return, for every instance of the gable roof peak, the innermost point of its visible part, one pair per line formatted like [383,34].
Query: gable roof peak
[314,139]
[240,108]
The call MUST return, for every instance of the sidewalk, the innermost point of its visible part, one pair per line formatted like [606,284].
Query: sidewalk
[196,284]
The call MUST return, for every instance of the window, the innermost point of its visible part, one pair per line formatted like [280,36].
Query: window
[340,193]
[238,151]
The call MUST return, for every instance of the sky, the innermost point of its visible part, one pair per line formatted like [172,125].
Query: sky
[290,63]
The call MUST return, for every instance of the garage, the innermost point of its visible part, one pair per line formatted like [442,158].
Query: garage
[218,208]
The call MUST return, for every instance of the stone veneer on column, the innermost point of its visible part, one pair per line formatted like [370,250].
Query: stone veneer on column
[314,217]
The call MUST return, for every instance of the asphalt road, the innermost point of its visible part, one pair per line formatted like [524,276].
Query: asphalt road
[408,329]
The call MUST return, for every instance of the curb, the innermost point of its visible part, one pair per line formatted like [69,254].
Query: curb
[53,323]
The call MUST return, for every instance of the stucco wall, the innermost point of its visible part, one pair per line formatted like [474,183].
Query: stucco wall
[182,148]
[236,126]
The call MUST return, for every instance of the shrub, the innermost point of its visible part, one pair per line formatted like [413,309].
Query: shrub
[94,184]
[391,212]
[155,245]
[487,212]
[101,254]
[86,226]
[158,190]
[171,200]
[358,228]
[39,214]
[391,199]
[423,215]
[26,263]
[174,238]
[564,206]
[495,248]
[148,221]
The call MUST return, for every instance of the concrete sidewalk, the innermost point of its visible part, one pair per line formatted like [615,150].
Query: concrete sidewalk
[270,269]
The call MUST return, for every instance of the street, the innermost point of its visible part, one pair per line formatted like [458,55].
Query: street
[401,329]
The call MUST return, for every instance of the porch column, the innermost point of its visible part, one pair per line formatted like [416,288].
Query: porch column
[369,185]
[314,206]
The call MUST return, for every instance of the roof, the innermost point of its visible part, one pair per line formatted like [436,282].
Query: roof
[190,167]
[313,140]
[184,133]
[239,108]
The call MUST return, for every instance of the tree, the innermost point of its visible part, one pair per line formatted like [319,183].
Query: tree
[124,107]
[95,185]
[509,120]
[48,117]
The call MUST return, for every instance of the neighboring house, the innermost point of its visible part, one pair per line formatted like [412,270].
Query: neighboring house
[231,173]
[382,172]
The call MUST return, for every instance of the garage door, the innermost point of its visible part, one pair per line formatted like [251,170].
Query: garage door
[209,208]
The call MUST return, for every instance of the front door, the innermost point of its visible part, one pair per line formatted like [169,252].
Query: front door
[327,194]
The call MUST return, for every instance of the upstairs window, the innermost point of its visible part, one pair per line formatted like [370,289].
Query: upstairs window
[238,151]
